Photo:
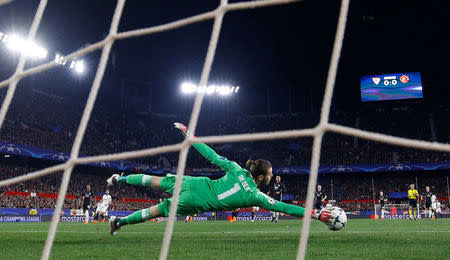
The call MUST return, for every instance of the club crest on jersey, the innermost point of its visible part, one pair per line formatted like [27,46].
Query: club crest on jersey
[223,158]
[376,80]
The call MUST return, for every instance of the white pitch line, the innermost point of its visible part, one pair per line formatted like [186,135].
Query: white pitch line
[228,232]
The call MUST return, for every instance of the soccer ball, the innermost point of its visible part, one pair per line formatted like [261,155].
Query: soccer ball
[338,219]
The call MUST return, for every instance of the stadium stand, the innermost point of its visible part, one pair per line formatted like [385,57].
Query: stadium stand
[112,129]
[352,191]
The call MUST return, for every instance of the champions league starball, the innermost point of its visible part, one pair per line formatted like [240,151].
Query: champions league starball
[338,219]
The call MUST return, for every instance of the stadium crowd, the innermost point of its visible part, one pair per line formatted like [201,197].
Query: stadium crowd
[38,121]
[77,186]
[351,191]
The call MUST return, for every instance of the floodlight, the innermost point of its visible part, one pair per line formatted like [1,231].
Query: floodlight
[28,48]
[14,42]
[210,89]
[224,90]
[58,59]
[3,37]
[187,88]
[41,52]
[221,90]
[79,66]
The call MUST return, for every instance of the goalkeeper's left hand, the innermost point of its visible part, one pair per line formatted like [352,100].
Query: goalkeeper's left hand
[181,127]
[323,215]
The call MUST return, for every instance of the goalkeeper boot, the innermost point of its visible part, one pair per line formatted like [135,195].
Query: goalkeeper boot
[111,181]
[113,225]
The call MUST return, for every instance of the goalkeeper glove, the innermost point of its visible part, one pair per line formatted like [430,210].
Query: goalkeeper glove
[322,215]
[181,127]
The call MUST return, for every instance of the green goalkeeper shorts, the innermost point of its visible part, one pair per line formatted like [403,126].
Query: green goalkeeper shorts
[194,195]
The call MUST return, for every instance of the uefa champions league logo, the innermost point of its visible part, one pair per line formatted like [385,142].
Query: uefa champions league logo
[399,166]
[61,157]
[341,168]
[286,170]
[103,164]
[10,148]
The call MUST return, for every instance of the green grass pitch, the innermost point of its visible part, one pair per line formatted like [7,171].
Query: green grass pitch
[361,239]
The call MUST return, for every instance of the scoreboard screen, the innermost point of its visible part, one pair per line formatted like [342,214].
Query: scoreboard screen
[391,87]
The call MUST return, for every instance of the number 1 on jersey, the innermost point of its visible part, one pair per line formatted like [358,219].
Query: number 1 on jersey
[229,192]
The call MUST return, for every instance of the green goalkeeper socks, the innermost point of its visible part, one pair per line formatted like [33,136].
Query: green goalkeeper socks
[136,179]
[135,217]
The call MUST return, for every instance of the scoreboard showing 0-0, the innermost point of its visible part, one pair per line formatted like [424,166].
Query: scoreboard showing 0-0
[391,87]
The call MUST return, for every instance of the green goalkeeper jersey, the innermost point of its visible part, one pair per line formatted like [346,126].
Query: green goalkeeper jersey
[236,189]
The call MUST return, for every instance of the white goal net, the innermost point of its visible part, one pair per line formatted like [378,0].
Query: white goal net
[218,15]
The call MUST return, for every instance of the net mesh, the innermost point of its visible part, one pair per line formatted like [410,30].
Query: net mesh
[217,14]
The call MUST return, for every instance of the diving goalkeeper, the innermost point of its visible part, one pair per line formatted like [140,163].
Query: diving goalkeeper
[237,189]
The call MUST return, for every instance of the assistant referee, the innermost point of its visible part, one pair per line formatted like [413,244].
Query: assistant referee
[412,196]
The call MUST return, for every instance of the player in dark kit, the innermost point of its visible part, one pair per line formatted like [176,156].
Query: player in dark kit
[277,193]
[427,196]
[320,197]
[87,195]
[234,215]
[383,199]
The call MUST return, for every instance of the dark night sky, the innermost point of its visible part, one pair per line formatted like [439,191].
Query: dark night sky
[277,50]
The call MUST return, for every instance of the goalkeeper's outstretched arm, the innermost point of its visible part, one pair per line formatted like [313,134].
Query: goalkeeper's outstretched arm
[264,201]
[210,154]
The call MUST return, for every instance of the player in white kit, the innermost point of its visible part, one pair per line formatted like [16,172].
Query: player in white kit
[254,213]
[436,207]
[102,207]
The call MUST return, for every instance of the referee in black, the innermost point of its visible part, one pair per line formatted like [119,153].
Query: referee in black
[87,196]
[320,197]
[383,200]
[277,193]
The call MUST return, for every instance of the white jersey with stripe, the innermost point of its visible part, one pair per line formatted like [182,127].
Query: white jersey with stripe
[106,200]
